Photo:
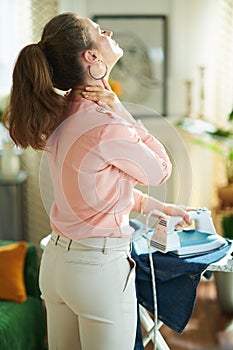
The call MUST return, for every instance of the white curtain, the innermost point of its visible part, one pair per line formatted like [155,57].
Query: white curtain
[21,24]
[15,32]
[224,87]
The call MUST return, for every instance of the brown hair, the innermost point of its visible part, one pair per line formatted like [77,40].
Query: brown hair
[35,108]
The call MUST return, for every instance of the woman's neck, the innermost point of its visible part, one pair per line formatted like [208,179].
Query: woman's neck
[77,90]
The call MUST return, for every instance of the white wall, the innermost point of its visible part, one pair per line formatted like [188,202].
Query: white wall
[192,39]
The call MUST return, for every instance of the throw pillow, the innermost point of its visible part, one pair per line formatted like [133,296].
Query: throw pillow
[12,258]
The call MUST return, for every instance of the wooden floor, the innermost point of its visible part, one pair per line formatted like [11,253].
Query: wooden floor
[208,329]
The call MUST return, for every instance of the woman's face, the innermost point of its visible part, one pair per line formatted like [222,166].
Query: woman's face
[106,46]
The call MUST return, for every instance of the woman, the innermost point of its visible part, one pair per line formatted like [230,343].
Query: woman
[97,154]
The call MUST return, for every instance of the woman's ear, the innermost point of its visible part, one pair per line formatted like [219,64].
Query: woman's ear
[90,56]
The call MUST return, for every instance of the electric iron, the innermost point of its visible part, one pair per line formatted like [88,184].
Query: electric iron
[187,242]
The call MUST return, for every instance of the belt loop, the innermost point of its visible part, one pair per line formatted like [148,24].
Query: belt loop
[57,239]
[68,245]
[104,250]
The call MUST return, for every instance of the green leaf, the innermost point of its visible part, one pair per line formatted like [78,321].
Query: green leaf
[1,114]
[230,116]
[230,154]
[207,145]
[221,133]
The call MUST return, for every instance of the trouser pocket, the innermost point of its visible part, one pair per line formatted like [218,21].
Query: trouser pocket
[131,274]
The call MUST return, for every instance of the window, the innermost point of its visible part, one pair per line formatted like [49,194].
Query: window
[21,24]
[224,94]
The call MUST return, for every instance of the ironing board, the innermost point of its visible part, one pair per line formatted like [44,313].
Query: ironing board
[225,264]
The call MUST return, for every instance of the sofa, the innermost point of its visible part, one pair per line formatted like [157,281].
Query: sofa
[22,315]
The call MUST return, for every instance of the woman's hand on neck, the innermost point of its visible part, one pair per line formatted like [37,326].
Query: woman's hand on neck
[79,89]
[104,96]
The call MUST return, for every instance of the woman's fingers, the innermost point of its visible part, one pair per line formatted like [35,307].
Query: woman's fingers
[173,210]
[104,96]
[91,95]
[187,220]
[191,209]
[98,93]
[91,88]
[106,86]
[95,95]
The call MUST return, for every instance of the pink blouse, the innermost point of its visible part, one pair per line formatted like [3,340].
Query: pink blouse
[96,158]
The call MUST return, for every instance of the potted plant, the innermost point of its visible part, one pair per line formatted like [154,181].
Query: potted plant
[227,226]
[230,154]
[225,136]
[224,280]
[219,140]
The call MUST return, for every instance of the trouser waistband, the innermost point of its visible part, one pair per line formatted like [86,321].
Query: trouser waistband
[103,244]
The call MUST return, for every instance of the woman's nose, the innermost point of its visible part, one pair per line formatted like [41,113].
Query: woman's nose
[109,33]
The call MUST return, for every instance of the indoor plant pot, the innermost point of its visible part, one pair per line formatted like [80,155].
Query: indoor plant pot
[225,194]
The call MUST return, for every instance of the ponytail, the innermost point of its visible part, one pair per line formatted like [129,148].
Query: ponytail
[35,109]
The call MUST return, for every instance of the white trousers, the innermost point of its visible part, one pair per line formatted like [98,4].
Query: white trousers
[89,294]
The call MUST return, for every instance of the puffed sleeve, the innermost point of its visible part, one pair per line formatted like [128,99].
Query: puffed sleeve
[142,157]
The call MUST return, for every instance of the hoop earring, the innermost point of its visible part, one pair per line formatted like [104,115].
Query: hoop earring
[98,78]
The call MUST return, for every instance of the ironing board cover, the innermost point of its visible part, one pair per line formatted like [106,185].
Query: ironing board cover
[176,280]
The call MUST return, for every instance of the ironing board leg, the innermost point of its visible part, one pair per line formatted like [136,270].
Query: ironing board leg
[161,344]
[148,325]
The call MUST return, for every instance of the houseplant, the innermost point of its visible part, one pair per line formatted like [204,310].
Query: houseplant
[225,139]
[223,280]
[216,139]
[227,226]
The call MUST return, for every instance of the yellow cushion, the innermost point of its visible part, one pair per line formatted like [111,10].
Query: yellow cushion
[12,258]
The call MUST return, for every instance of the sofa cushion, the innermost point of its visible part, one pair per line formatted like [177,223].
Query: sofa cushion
[12,259]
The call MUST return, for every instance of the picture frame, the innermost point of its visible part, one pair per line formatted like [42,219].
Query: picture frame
[140,76]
